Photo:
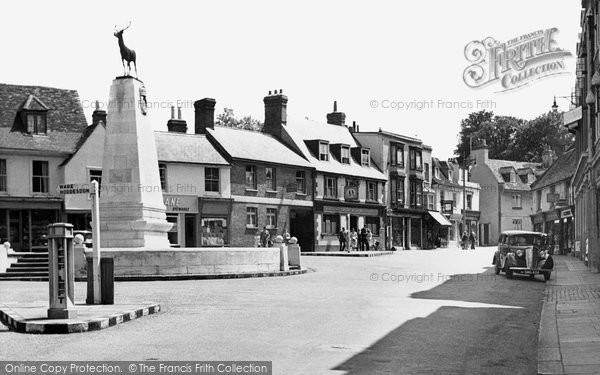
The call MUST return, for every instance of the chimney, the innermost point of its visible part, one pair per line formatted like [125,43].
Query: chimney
[205,115]
[98,115]
[275,113]
[480,152]
[335,117]
[176,125]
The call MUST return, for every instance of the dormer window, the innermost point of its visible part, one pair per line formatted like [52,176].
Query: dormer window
[345,155]
[36,123]
[324,151]
[33,116]
[365,157]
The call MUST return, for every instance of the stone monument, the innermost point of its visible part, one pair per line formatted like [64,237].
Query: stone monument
[131,202]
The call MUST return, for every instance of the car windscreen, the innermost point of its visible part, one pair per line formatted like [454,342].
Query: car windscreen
[526,240]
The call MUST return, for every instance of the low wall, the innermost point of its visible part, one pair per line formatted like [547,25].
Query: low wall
[185,261]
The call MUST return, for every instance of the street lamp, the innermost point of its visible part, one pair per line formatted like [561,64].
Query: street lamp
[555,106]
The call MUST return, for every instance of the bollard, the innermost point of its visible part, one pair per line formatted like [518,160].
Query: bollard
[107,286]
[283,254]
[61,271]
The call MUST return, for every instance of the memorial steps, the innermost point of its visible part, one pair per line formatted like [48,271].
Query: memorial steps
[31,266]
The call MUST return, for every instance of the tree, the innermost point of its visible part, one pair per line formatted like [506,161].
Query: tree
[468,127]
[511,138]
[499,134]
[228,119]
[540,134]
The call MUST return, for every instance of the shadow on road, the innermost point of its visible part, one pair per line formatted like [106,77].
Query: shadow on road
[463,340]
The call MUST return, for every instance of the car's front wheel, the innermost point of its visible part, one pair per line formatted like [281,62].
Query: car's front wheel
[497,266]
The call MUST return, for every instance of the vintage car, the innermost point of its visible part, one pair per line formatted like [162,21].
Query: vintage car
[523,252]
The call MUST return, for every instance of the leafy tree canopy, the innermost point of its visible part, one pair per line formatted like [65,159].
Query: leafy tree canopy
[228,119]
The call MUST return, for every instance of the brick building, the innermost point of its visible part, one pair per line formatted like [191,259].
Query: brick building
[271,185]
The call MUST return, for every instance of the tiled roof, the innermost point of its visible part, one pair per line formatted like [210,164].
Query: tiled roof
[253,145]
[499,166]
[304,130]
[65,119]
[186,148]
[562,169]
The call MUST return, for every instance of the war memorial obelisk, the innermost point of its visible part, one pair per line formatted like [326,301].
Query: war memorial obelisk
[133,211]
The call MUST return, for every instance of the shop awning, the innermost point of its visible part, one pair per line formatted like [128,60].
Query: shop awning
[440,218]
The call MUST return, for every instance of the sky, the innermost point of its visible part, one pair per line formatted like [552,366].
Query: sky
[364,55]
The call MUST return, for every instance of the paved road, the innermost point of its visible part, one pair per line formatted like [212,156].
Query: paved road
[440,311]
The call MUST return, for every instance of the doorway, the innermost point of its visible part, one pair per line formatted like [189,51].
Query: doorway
[301,227]
[354,223]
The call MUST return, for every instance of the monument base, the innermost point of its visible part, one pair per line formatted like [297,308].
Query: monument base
[69,313]
[135,226]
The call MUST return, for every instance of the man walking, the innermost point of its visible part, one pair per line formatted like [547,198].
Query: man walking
[342,238]
[264,237]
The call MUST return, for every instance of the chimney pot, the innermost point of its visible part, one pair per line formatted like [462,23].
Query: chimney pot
[98,115]
[179,113]
[269,92]
[172,112]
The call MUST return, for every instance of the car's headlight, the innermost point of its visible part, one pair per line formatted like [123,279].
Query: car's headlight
[520,253]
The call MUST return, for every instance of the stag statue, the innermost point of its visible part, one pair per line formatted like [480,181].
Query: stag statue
[126,53]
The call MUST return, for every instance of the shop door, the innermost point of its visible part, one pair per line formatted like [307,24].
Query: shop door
[354,223]
[15,230]
[190,231]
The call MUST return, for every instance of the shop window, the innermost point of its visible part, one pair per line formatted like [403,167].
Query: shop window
[40,219]
[211,179]
[251,217]
[251,177]
[372,223]
[3,225]
[330,187]
[270,179]
[214,231]
[300,182]
[271,218]
[331,224]
[162,173]
[173,232]
[3,176]
[371,191]
[40,177]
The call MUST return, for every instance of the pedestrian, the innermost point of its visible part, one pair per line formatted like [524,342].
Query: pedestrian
[286,236]
[465,238]
[342,238]
[472,240]
[353,240]
[362,238]
[369,239]
[264,237]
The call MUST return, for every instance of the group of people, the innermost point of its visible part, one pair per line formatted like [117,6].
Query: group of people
[265,240]
[356,241]
[468,240]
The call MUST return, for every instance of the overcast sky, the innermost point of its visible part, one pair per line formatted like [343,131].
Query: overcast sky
[316,51]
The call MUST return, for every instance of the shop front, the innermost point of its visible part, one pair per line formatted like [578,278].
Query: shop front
[559,226]
[182,211]
[214,222]
[406,229]
[24,222]
[330,219]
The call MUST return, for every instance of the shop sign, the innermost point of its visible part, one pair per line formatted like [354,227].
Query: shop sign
[181,203]
[351,193]
[566,213]
[447,207]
